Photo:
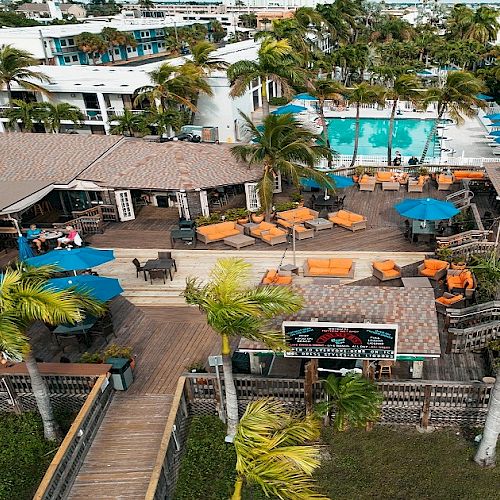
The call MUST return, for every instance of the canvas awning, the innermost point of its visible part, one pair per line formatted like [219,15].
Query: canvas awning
[16,196]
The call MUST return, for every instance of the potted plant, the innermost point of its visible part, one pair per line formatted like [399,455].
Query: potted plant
[358,173]
[240,215]
[258,216]
[296,197]
[117,351]
[91,358]
[444,253]
[198,367]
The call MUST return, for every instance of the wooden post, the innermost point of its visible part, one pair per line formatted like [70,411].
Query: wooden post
[368,371]
[311,376]
[424,422]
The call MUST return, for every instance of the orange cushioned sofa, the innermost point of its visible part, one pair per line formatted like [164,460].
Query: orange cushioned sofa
[433,269]
[217,232]
[347,219]
[329,268]
[458,175]
[296,216]
[461,281]
[273,277]
[386,270]
[256,231]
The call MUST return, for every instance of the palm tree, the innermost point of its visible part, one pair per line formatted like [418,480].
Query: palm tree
[355,400]
[115,38]
[24,114]
[174,84]
[14,68]
[457,97]
[165,120]
[406,88]
[274,450]
[54,114]
[363,93]
[25,299]
[483,25]
[326,89]
[235,309]
[217,31]
[201,57]
[128,123]
[91,44]
[282,146]
[276,62]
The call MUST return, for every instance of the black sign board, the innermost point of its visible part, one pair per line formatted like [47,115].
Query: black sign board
[340,340]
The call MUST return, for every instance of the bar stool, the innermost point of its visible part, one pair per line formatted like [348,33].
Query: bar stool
[385,368]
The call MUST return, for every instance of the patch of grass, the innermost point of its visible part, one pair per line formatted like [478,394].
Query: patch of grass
[400,463]
[24,453]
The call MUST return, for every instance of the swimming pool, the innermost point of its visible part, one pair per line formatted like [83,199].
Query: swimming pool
[409,136]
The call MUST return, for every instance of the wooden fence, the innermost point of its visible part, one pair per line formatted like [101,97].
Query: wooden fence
[419,402]
[64,467]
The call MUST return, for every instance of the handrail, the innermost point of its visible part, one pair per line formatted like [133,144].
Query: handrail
[165,440]
[471,236]
[473,310]
[66,462]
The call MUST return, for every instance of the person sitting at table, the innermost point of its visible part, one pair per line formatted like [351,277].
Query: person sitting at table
[413,161]
[36,235]
[69,238]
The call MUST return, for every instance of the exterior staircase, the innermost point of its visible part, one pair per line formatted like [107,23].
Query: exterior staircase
[461,199]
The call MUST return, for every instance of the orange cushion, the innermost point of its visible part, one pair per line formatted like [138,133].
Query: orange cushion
[302,212]
[318,262]
[384,176]
[355,217]
[447,301]
[385,265]
[266,225]
[435,264]
[468,174]
[421,180]
[339,271]
[445,179]
[340,221]
[320,270]
[284,223]
[343,263]
[275,231]
[300,229]
[207,229]
[343,214]
[365,179]
[391,273]
[215,236]
[428,272]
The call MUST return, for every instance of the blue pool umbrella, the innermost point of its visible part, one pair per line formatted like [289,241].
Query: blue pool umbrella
[99,288]
[305,97]
[484,97]
[290,109]
[493,117]
[341,182]
[73,259]
[426,209]
[25,251]
[495,133]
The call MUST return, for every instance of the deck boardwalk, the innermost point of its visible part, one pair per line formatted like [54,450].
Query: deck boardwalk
[122,455]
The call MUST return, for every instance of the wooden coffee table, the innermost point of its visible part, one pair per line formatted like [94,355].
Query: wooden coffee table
[239,241]
[318,224]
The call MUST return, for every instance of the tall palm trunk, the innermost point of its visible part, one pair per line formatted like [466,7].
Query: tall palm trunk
[265,102]
[40,390]
[432,133]
[238,485]
[356,137]
[326,140]
[486,452]
[230,389]
[391,129]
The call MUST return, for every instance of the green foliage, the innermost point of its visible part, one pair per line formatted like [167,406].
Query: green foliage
[197,367]
[13,20]
[207,468]
[112,351]
[296,197]
[355,401]
[444,253]
[25,453]
[205,221]
[278,101]
[236,213]
[487,272]
[286,205]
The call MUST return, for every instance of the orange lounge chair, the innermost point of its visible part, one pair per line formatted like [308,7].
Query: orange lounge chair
[386,270]
[367,183]
[448,300]
[217,232]
[256,231]
[444,182]
[458,175]
[273,277]
[433,269]
[461,281]
[417,185]
[382,176]
[347,219]
[329,268]
[274,236]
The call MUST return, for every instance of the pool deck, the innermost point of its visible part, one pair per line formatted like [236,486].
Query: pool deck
[467,139]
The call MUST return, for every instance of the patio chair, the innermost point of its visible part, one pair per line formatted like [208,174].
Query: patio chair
[448,300]
[461,281]
[386,270]
[157,274]
[138,267]
[167,255]
[273,277]
[433,269]
[367,183]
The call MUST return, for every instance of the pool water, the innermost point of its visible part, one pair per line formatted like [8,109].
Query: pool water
[409,136]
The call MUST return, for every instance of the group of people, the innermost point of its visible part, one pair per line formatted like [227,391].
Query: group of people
[413,161]
[39,237]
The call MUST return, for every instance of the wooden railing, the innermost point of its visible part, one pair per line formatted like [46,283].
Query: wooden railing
[106,212]
[471,329]
[64,467]
[465,252]
[381,164]
[472,236]
[415,402]
[90,221]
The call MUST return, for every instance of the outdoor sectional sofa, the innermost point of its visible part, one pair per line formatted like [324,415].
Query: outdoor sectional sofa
[347,219]
[296,216]
[217,232]
[269,233]
[329,268]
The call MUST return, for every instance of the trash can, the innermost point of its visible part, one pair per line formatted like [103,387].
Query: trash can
[121,373]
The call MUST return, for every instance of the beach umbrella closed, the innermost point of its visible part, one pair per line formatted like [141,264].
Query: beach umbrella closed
[289,109]
[341,182]
[25,251]
[73,259]
[97,287]
[426,209]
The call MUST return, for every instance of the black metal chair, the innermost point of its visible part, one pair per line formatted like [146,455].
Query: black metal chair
[157,274]
[138,267]
[167,255]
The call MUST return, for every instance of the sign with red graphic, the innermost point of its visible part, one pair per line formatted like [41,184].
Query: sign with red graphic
[340,340]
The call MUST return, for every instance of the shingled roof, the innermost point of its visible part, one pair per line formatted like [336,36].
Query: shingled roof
[136,164]
[414,313]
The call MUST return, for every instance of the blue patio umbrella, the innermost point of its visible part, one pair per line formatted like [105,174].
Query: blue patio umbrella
[73,259]
[495,133]
[289,109]
[341,182]
[426,209]
[97,287]
[25,251]
[305,97]
[493,117]
[484,97]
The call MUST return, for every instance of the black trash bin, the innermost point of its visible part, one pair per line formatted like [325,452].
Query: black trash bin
[121,373]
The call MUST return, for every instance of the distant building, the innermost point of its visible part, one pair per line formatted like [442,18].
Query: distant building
[41,11]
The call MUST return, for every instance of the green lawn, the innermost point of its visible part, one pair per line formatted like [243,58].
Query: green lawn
[24,454]
[388,462]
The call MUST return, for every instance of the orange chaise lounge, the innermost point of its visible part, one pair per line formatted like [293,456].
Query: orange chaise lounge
[329,268]
[386,270]
[347,219]
[433,269]
[217,232]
